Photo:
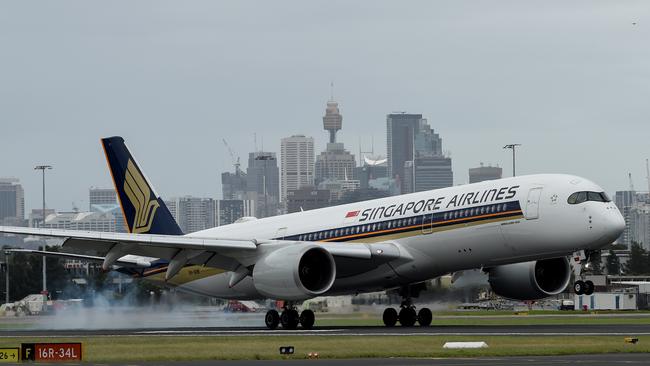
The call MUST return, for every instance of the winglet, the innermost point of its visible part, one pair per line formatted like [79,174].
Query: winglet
[144,211]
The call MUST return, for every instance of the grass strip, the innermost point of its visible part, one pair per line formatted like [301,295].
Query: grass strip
[174,348]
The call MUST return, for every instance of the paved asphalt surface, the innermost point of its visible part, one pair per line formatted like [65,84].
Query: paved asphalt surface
[543,330]
[587,360]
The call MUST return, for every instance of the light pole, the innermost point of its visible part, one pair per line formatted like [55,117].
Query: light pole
[7,253]
[513,147]
[43,168]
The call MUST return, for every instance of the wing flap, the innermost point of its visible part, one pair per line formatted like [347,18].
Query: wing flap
[124,262]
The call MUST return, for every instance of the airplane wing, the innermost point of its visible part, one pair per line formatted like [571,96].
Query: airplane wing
[223,253]
[179,250]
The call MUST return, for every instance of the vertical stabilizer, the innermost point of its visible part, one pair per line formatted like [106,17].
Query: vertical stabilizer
[144,211]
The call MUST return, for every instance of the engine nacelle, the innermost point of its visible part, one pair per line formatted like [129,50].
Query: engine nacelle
[531,280]
[295,272]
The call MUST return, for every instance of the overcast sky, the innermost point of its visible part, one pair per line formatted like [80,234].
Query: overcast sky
[570,80]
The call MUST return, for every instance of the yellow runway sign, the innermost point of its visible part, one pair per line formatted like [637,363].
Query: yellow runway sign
[9,354]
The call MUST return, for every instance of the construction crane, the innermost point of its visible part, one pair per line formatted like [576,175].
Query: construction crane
[235,161]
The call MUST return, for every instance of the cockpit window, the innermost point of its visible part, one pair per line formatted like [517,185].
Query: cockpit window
[580,197]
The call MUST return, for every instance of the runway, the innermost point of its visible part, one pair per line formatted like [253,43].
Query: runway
[590,360]
[474,330]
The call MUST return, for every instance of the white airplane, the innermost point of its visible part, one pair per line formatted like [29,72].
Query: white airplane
[519,230]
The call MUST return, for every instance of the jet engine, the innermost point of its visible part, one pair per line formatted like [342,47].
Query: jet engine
[530,280]
[295,272]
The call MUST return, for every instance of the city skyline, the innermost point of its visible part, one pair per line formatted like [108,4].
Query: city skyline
[182,77]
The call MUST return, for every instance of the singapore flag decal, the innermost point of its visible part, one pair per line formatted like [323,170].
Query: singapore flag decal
[352,214]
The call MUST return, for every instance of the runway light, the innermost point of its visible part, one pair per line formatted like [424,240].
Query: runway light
[312,355]
[632,340]
[286,350]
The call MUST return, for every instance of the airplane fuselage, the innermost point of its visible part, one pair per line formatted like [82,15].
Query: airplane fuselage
[479,225]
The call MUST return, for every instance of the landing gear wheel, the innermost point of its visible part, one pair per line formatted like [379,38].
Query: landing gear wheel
[390,317]
[424,317]
[289,319]
[579,287]
[272,319]
[589,288]
[307,319]
[407,317]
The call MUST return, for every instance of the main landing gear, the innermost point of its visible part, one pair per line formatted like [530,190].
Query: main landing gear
[289,318]
[581,287]
[407,315]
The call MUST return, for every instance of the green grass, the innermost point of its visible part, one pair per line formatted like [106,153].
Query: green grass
[375,320]
[136,349]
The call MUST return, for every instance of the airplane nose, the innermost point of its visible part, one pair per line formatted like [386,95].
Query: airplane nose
[615,223]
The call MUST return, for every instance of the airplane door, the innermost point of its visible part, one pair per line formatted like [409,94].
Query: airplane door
[532,203]
[427,224]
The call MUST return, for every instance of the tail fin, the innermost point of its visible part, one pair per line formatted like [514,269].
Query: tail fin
[144,211]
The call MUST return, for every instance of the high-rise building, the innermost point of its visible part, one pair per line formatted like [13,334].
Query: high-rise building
[101,196]
[483,173]
[263,182]
[639,224]
[409,137]
[196,213]
[233,185]
[229,211]
[193,213]
[296,164]
[307,198]
[12,202]
[104,201]
[431,172]
[335,163]
[625,201]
